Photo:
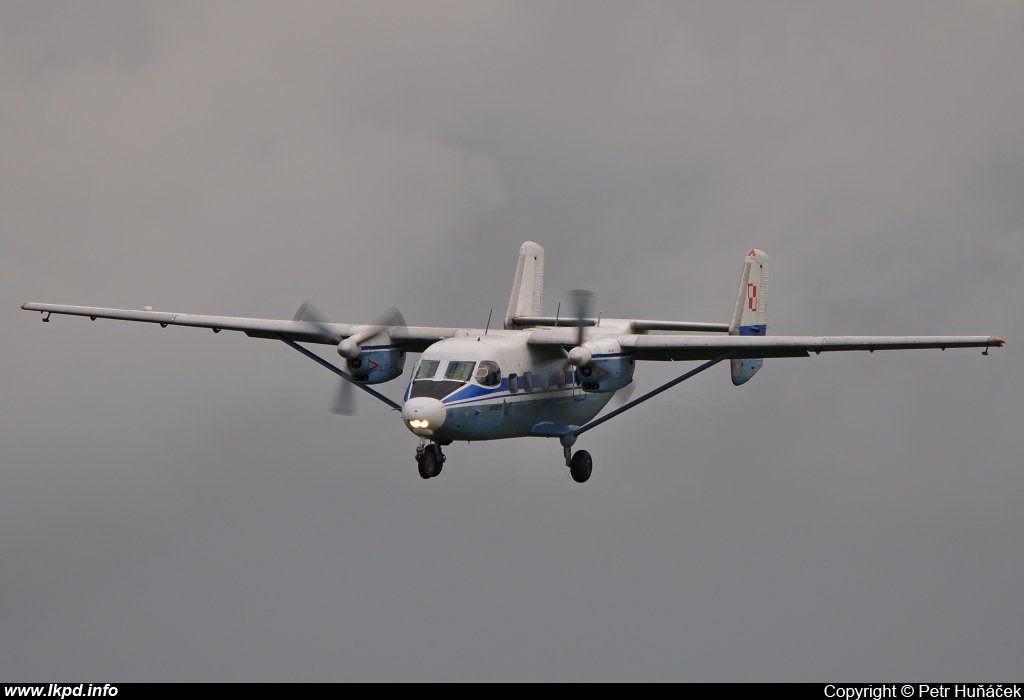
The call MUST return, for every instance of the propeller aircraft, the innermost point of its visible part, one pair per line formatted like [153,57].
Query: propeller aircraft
[537,376]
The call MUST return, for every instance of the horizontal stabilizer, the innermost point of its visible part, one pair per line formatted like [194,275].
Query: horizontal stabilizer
[639,325]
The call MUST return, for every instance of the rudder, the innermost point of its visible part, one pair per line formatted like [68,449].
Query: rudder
[528,288]
[749,315]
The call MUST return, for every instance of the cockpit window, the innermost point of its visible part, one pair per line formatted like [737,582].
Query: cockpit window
[488,373]
[427,369]
[459,371]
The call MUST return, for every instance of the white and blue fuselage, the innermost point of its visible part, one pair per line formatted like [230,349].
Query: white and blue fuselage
[495,386]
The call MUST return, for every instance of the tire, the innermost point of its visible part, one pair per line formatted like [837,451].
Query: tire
[581,466]
[429,465]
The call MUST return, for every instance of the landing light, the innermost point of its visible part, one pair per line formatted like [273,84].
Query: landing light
[419,423]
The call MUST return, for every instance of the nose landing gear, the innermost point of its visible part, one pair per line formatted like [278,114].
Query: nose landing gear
[429,460]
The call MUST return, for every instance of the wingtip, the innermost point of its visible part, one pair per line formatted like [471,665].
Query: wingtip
[997,341]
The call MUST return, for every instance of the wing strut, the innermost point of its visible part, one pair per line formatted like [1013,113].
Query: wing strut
[341,373]
[668,385]
[567,434]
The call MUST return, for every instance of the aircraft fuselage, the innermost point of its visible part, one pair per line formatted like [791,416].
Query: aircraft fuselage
[496,386]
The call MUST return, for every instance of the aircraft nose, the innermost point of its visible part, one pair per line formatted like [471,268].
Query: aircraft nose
[423,415]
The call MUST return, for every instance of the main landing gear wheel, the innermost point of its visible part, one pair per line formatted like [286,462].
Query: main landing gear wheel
[581,466]
[430,461]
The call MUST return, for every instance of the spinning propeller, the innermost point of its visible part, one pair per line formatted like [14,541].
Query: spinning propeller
[582,299]
[349,348]
[580,356]
[622,396]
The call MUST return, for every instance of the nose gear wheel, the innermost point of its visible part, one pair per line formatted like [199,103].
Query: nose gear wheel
[430,461]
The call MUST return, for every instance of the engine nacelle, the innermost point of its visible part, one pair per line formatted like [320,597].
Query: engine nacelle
[376,363]
[608,368]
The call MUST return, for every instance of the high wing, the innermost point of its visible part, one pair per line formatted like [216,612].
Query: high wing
[705,347]
[647,347]
[744,338]
[416,339]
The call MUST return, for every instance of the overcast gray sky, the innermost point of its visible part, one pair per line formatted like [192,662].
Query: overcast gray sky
[179,506]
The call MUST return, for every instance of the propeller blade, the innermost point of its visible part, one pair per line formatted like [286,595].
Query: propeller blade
[554,370]
[344,399]
[582,299]
[390,319]
[345,396]
[344,403]
[309,313]
[623,395]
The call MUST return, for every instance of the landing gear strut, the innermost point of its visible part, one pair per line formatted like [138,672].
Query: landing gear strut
[580,464]
[429,459]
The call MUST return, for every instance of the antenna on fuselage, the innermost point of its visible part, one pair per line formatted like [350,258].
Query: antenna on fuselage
[488,326]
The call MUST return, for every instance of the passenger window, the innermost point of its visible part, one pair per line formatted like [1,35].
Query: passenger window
[427,369]
[459,371]
[513,383]
[488,373]
[544,381]
[527,381]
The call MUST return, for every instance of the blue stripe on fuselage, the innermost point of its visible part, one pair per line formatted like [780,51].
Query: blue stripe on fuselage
[471,392]
[760,329]
[474,393]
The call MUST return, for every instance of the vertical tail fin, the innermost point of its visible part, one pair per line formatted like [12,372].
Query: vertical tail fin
[528,289]
[749,316]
